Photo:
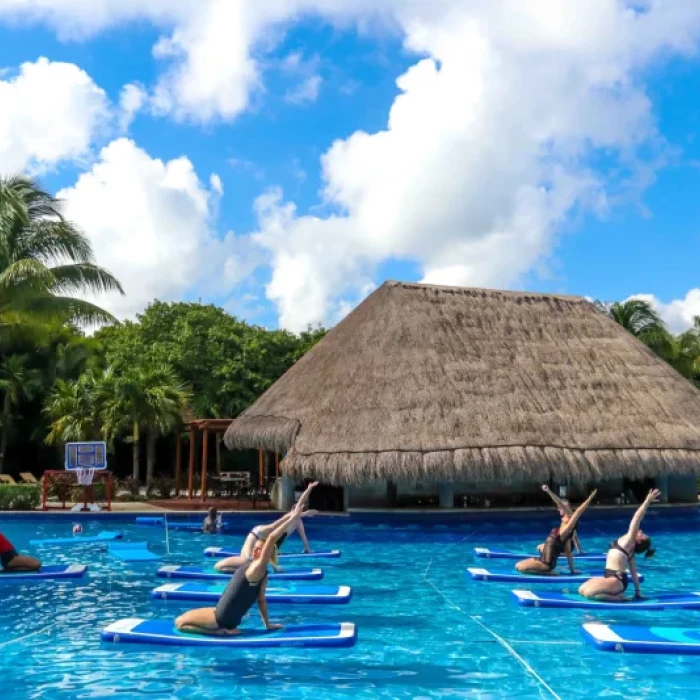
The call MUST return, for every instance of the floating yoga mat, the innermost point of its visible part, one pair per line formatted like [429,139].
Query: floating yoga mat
[196,572]
[486,553]
[663,601]
[222,552]
[105,536]
[517,577]
[280,593]
[642,639]
[132,551]
[52,571]
[163,632]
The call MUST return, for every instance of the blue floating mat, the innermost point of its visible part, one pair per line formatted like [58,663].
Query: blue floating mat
[196,572]
[105,536]
[163,632]
[222,552]
[517,577]
[486,553]
[663,601]
[132,551]
[280,593]
[642,639]
[160,522]
[53,571]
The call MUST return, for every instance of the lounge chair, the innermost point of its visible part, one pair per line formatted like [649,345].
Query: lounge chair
[28,478]
[7,479]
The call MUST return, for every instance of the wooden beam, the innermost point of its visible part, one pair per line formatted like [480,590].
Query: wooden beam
[178,462]
[260,467]
[205,454]
[190,476]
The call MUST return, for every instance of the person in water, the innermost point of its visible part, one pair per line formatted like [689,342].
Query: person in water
[558,543]
[565,512]
[246,586]
[260,533]
[212,523]
[13,562]
[613,584]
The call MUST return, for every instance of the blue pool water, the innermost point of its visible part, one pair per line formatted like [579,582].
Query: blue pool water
[424,630]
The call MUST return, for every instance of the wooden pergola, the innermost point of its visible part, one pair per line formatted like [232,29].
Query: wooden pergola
[205,426]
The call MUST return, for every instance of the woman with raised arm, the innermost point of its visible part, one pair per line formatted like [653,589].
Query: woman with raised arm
[247,586]
[565,512]
[260,533]
[612,586]
[558,543]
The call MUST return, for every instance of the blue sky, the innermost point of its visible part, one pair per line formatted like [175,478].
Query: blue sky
[314,264]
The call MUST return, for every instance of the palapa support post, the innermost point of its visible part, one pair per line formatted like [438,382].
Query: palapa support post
[190,476]
[178,463]
[205,454]
[260,467]
[447,495]
[277,465]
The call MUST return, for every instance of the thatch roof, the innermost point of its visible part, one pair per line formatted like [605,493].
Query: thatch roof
[422,382]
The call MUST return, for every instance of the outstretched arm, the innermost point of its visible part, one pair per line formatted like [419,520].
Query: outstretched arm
[557,501]
[302,534]
[635,577]
[577,543]
[573,520]
[636,522]
[570,557]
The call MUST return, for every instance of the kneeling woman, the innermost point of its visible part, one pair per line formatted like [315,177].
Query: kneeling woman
[11,561]
[247,586]
[558,543]
[612,586]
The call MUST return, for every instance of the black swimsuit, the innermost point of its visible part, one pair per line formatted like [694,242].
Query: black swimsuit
[554,547]
[237,599]
[621,576]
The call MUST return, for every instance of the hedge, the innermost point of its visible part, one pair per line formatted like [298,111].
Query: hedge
[20,496]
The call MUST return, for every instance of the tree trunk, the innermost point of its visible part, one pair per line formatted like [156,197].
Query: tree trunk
[3,430]
[219,438]
[135,453]
[151,455]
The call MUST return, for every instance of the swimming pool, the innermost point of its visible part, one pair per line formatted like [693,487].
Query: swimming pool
[424,630]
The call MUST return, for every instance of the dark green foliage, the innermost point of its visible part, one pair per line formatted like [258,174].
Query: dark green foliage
[20,496]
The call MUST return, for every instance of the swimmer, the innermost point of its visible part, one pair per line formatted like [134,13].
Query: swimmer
[565,512]
[212,523]
[260,533]
[12,561]
[558,543]
[613,584]
[77,529]
[247,586]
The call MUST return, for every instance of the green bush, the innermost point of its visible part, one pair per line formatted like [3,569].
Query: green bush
[99,490]
[20,496]
[126,490]
[161,487]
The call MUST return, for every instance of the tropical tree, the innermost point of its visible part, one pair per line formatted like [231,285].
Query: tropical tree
[639,318]
[141,398]
[18,382]
[44,261]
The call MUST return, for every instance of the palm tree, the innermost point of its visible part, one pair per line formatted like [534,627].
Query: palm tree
[142,398]
[639,318]
[44,260]
[73,409]
[17,382]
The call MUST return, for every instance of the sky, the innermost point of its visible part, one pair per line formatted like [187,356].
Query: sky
[284,158]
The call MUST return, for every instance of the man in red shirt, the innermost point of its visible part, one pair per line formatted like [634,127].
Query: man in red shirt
[12,561]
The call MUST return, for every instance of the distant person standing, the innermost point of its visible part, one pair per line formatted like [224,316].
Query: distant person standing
[212,523]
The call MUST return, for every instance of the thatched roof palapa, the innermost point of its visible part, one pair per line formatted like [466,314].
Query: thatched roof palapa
[432,383]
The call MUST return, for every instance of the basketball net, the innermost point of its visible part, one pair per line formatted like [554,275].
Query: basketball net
[85,476]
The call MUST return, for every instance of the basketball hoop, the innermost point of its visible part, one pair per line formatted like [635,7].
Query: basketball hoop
[85,476]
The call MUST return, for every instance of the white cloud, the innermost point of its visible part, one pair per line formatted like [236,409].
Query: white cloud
[132,99]
[149,224]
[307,91]
[678,314]
[486,150]
[50,112]
[216,184]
